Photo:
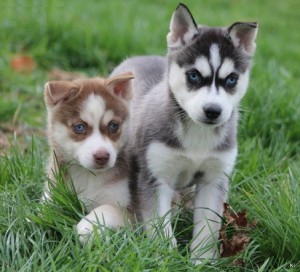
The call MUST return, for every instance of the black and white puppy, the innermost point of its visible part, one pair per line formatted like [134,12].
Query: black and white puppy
[183,122]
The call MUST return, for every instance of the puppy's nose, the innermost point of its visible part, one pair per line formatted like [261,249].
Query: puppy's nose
[212,111]
[101,157]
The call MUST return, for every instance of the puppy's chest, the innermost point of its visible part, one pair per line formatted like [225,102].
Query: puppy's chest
[177,167]
[98,189]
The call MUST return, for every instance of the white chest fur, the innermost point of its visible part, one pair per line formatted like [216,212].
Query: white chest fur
[96,189]
[178,166]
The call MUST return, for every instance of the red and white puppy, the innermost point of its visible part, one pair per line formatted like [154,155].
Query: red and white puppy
[87,130]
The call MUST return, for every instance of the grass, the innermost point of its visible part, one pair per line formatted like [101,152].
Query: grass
[92,37]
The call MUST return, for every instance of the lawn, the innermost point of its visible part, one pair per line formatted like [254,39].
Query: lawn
[92,37]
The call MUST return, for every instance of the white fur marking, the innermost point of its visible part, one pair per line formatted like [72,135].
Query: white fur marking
[108,116]
[226,68]
[178,86]
[93,110]
[215,57]
[203,67]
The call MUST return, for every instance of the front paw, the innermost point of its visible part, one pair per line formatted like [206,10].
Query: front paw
[84,229]
[104,216]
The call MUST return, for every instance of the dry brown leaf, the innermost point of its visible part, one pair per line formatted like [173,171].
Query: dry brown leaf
[23,64]
[234,234]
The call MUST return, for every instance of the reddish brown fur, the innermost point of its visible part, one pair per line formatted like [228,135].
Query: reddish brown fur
[67,110]
[66,103]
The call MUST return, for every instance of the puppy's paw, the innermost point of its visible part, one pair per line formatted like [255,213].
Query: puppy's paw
[103,216]
[84,229]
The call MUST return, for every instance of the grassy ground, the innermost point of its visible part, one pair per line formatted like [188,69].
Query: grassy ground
[92,37]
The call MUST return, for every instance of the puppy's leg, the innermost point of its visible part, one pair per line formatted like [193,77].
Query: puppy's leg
[105,215]
[208,209]
[161,209]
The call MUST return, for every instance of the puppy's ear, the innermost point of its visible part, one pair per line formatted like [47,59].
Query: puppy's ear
[120,85]
[182,27]
[56,91]
[243,35]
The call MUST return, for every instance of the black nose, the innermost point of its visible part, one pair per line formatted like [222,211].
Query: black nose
[212,111]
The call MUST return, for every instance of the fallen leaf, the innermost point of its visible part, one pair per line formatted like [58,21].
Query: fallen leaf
[234,234]
[23,64]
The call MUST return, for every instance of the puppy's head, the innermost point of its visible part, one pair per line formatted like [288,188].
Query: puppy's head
[87,119]
[209,67]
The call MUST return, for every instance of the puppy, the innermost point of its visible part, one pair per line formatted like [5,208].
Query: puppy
[87,131]
[184,117]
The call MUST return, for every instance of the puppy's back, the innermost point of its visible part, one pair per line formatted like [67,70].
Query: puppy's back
[148,71]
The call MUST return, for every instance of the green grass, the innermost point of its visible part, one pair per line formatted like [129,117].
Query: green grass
[93,36]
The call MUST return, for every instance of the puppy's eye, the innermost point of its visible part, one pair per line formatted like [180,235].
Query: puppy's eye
[231,81]
[79,128]
[113,127]
[193,77]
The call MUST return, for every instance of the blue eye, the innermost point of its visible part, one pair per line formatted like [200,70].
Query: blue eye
[193,77]
[79,128]
[113,127]
[231,81]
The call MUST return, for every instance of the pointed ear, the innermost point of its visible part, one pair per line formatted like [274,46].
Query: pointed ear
[120,85]
[56,91]
[182,27]
[243,35]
